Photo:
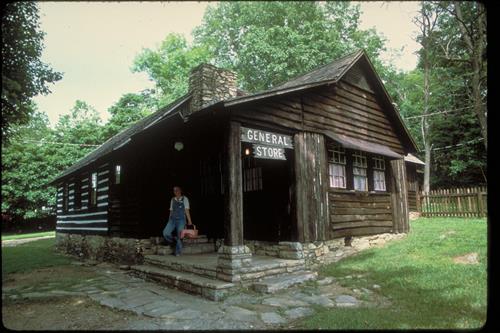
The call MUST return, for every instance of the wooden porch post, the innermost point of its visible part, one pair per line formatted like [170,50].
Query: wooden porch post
[311,187]
[399,197]
[233,219]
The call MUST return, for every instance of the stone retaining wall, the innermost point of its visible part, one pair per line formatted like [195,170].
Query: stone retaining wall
[102,248]
[317,253]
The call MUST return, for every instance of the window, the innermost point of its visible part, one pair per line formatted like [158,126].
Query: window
[93,189]
[78,195]
[252,175]
[336,167]
[359,171]
[378,174]
[118,174]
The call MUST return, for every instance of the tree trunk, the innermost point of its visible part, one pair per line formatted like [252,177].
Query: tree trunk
[426,30]
[476,45]
[427,168]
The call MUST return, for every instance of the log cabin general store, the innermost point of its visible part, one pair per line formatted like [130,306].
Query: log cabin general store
[313,160]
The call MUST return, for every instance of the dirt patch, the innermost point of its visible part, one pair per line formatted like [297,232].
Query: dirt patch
[467,259]
[63,314]
[446,234]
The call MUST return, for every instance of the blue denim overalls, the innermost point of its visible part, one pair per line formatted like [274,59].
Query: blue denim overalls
[177,221]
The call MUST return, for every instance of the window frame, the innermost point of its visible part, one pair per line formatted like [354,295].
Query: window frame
[336,156]
[118,174]
[360,169]
[92,191]
[379,168]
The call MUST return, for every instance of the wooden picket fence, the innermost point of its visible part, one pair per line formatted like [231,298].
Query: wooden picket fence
[455,202]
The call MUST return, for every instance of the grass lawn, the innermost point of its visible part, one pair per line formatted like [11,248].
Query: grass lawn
[418,275]
[36,234]
[29,256]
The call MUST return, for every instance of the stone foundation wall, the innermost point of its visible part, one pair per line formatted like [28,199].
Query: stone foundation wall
[102,248]
[263,248]
[317,253]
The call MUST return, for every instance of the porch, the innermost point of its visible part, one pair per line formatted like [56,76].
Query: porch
[200,273]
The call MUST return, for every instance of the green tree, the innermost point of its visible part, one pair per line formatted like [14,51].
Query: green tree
[78,133]
[458,157]
[36,154]
[130,108]
[269,42]
[463,45]
[169,66]
[24,75]
[27,165]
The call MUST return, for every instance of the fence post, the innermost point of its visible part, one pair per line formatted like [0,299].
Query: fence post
[479,203]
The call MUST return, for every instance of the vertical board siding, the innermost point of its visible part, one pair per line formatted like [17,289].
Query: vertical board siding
[359,213]
[311,187]
[455,202]
[233,221]
[399,196]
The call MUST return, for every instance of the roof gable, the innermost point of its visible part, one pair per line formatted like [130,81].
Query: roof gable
[356,67]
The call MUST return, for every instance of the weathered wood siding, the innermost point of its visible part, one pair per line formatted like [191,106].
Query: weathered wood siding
[359,213]
[311,187]
[412,187]
[88,220]
[399,196]
[352,111]
[233,221]
[277,112]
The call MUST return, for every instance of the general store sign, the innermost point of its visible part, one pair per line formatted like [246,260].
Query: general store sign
[267,145]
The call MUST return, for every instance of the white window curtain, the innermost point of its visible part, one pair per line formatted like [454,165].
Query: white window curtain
[360,179]
[379,180]
[337,175]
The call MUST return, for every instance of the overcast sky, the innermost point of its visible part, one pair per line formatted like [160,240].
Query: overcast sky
[94,44]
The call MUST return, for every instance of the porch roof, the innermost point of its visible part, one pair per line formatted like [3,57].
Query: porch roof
[370,147]
[413,159]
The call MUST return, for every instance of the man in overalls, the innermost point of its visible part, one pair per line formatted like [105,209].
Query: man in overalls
[179,209]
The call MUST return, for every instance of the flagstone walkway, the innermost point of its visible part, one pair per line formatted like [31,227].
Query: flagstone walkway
[158,307]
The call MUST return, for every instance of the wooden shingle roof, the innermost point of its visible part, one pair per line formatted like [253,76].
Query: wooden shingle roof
[326,74]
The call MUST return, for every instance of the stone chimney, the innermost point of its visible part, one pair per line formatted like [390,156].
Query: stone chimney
[209,84]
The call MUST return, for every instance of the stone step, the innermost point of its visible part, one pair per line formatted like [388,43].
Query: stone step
[214,290]
[276,283]
[182,264]
[199,239]
[187,248]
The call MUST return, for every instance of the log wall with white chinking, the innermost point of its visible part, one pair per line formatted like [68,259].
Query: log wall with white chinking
[85,219]
[358,213]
